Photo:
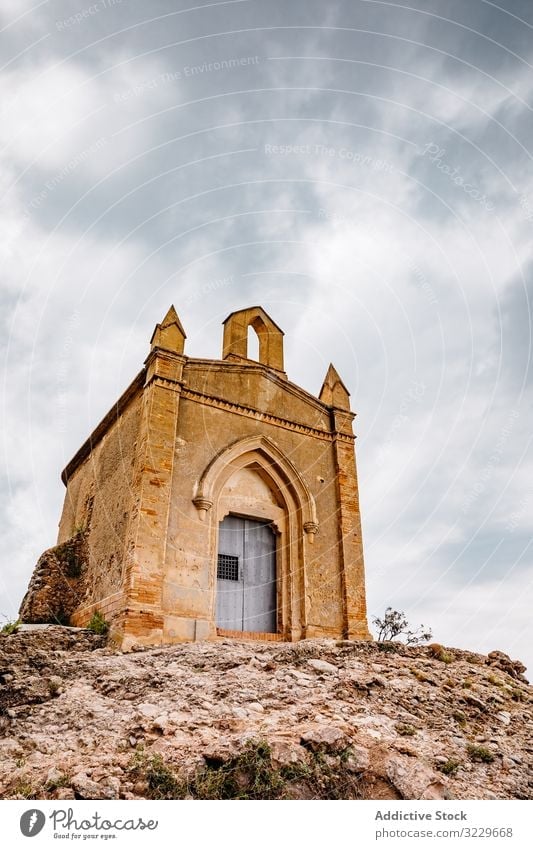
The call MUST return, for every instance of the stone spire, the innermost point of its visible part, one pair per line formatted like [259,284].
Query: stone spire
[170,334]
[334,392]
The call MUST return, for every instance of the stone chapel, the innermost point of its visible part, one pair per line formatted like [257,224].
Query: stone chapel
[216,498]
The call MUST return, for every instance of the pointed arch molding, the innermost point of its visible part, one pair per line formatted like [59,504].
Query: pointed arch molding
[262,451]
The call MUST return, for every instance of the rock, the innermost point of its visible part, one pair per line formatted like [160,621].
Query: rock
[204,704]
[325,738]
[163,724]
[475,702]
[64,793]
[322,665]
[436,790]
[286,753]
[514,668]
[58,582]
[358,759]
[85,788]
[413,780]
[54,775]
[110,787]
[239,712]
[140,789]
[218,752]
[148,711]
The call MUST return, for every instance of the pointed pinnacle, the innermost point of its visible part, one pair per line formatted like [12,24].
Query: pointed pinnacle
[173,318]
[333,377]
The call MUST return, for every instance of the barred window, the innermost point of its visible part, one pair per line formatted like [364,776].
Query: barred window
[228,567]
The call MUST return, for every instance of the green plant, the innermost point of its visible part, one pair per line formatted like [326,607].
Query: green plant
[249,775]
[161,781]
[54,685]
[493,680]
[70,557]
[62,780]
[138,758]
[24,788]
[480,754]
[387,647]
[395,624]
[405,730]
[11,627]
[98,624]
[449,767]
[419,675]
[440,653]
[460,718]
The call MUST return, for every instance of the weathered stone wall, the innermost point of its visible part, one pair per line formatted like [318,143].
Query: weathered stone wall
[58,584]
[257,386]
[98,500]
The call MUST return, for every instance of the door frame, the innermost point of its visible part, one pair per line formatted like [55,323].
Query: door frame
[279,595]
[278,527]
[294,519]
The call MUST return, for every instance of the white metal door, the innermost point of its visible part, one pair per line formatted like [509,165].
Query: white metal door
[246,576]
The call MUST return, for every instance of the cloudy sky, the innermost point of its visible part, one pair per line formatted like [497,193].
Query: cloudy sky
[362,169]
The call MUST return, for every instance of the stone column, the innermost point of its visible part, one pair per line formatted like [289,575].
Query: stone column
[349,523]
[145,559]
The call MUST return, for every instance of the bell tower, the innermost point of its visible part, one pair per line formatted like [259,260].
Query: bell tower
[270,337]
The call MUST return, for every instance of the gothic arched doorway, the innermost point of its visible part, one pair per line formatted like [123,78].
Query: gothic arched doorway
[253,481]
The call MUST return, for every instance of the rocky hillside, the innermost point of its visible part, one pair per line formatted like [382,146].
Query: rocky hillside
[316,719]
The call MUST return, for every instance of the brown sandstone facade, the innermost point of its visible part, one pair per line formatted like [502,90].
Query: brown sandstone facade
[190,443]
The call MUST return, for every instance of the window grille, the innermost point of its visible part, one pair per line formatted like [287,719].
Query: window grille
[228,567]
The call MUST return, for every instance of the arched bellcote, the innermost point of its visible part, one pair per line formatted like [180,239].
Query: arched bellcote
[269,334]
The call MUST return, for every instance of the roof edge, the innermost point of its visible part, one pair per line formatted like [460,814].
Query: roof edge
[255,307]
[102,428]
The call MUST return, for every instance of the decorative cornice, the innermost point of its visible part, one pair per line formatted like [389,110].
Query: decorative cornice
[208,400]
[171,383]
[253,413]
[247,366]
[164,354]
